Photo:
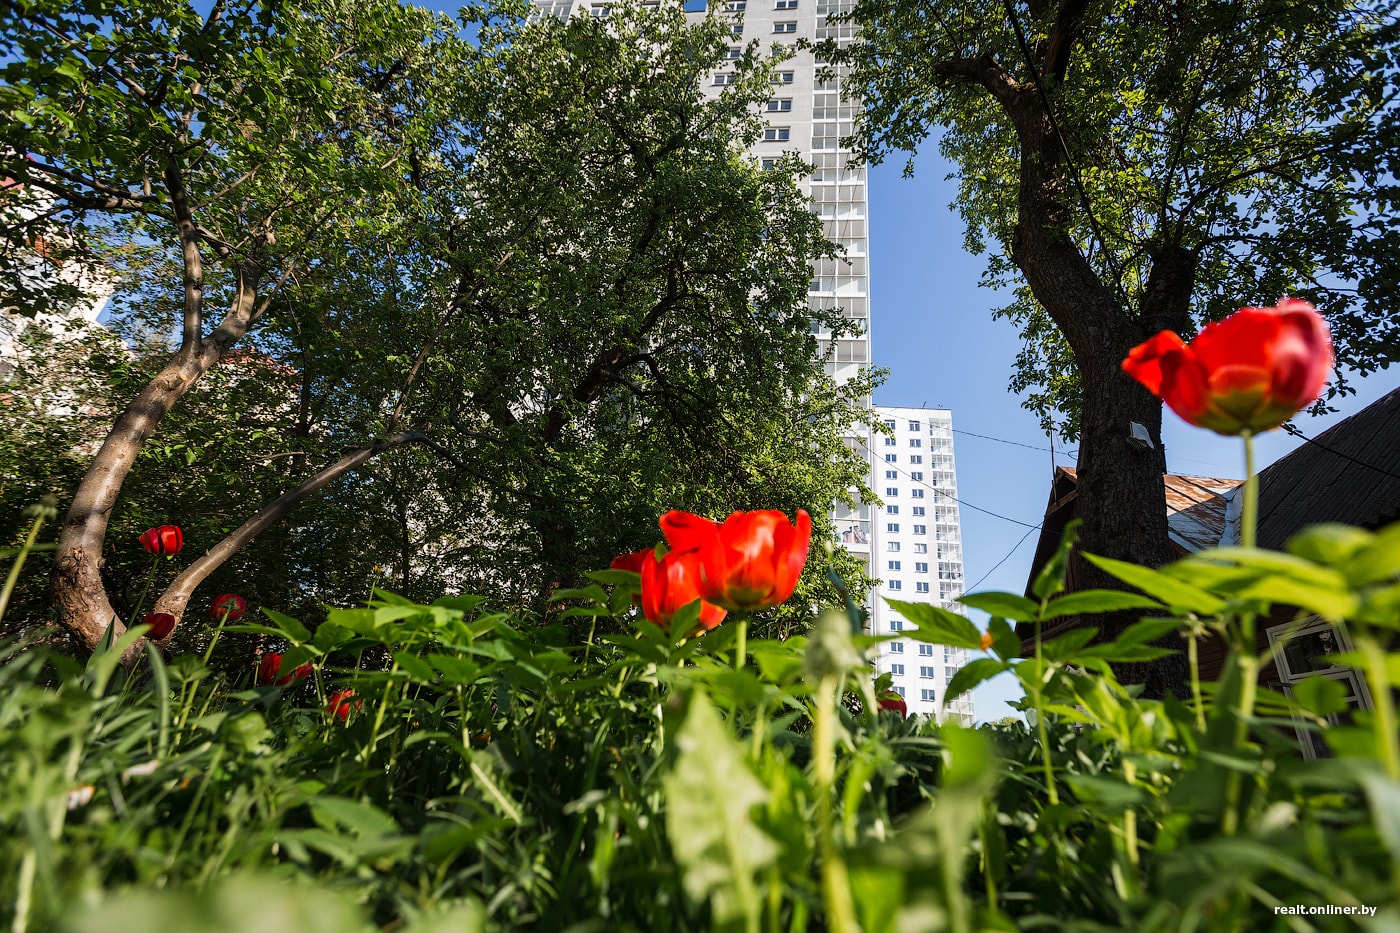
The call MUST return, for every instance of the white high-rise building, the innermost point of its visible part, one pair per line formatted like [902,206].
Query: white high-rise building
[913,543]
[916,551]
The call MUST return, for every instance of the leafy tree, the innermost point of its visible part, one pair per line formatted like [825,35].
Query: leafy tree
[541,258]
[1138,167]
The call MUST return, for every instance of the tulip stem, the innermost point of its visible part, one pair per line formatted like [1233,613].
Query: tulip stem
[1249,520]
[836,885]
[218,630]
[741,654]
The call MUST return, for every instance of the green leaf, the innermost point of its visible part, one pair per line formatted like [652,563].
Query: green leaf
[936,625]
[1321,696]
[1180,596]
[1006,605]
[710,793]
[1063,647]
[296,632]
[1051,579]
[971,674]
[1095,601]
[354,815]
[1378,561]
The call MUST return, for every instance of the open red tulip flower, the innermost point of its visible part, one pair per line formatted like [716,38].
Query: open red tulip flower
[341,706]
[164,541]
[161,623]
[228,603]
[753,560]
[670,584]
[894,702]
[271,665]
[1248,373]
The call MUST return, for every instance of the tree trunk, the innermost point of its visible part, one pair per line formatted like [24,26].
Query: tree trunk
[79,596]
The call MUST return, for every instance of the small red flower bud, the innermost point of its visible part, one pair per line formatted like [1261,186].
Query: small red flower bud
[340,705]
[164,541]
[271,665]
[891,700]
[161,623]
[235,606]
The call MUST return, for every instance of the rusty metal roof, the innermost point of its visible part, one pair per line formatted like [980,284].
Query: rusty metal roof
[1196,507]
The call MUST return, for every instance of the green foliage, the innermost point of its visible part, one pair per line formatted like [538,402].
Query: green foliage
[1190,158]
[502,775]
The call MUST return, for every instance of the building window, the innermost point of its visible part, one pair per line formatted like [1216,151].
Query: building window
[737,6]
[948,675]
[921,567]
[890,424]
[926,673]
[914,426]
[722,79]
[783,77]
[890,442]
[918,510]
[892,509]
[786,5]
[895,585]
[896,647]
[733,54]
[892,546]
[921,549]
[920,529]
[917,493]
[900,691]
[736,29]
[767,164]
[918,478]
[777,134]
[926,696]
[891,474]
[780,105]
[784,27]
[892,527]
[601,10]
[916,458]
[891,458]
[891,491]
[1308,654]
[926,651]
[950,654]
[897,670]
[894,565]
[916,442]
[896,625]
[920,587]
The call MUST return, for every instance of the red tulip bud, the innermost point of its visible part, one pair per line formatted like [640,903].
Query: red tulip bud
[161,623]
[235,606]
[164,541]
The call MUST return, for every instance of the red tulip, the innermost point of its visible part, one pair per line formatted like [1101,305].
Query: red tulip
[1250,372]
[340,706]
[892,701]
[632,562]
[161,623]
[669,584]
[163,541]
[271,665]
[687,532]
[228,603]
[754,559]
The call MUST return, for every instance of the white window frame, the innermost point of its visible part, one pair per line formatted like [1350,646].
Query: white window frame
[1294,630]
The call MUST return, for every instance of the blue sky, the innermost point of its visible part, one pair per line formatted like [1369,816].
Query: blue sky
[932,327]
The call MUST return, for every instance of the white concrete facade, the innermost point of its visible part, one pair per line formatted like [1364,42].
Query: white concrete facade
[916,551]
